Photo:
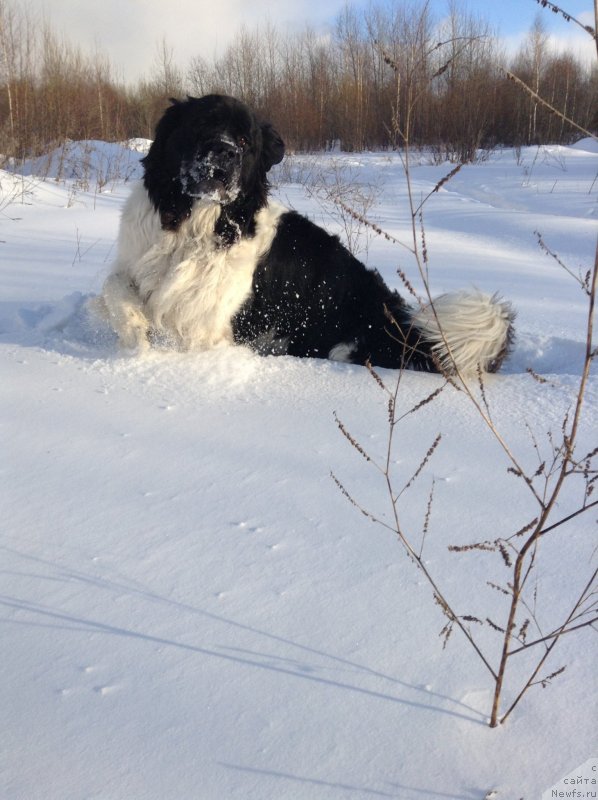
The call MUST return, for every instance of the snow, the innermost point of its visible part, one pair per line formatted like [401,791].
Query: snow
[191,609]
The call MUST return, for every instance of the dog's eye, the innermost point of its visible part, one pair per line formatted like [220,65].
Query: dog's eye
[242,141]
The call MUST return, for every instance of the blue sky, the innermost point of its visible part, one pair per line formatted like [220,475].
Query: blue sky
[513,17]
[130,31]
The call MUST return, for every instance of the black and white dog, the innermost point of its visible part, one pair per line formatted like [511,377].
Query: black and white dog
[205,258]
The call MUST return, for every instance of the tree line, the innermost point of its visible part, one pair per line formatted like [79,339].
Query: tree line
[377,77]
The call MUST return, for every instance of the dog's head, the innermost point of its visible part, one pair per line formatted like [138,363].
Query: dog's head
[211,149]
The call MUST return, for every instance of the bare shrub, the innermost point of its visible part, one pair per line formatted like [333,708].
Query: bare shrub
[562,471]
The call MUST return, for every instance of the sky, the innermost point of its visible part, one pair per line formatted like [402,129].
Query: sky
[131,32]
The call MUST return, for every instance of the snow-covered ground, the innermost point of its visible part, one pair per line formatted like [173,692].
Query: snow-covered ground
[191,610]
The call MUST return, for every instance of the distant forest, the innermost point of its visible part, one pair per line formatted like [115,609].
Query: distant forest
[379,76]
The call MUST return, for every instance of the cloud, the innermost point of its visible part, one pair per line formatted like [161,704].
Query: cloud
[130,32]
[574,42]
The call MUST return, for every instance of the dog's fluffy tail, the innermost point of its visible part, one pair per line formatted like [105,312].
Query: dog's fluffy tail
[465,332]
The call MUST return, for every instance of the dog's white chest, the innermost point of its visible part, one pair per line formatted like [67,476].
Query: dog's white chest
[192,288]
[198,291]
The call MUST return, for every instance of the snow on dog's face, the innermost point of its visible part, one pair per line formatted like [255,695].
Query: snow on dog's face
[213,172]
[209,149]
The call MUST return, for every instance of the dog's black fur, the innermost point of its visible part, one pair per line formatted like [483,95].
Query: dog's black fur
[309,296]
[315,294]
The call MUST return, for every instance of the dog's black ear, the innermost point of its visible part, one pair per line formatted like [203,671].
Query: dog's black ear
[170,118]
[166,124]
[273,146]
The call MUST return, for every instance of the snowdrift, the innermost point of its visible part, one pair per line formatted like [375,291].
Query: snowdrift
[191,609]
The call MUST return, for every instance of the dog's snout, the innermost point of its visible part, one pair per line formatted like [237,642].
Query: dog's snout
[226,152]
[214,170]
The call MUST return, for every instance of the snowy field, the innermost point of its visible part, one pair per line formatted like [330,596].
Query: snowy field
[191,610]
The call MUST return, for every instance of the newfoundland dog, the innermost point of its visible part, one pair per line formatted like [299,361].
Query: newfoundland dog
[204,258]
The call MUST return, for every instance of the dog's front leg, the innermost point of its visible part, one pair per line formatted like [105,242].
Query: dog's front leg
[121,306]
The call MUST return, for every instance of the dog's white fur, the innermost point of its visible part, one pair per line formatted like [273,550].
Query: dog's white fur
[180,285]
[468,329]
